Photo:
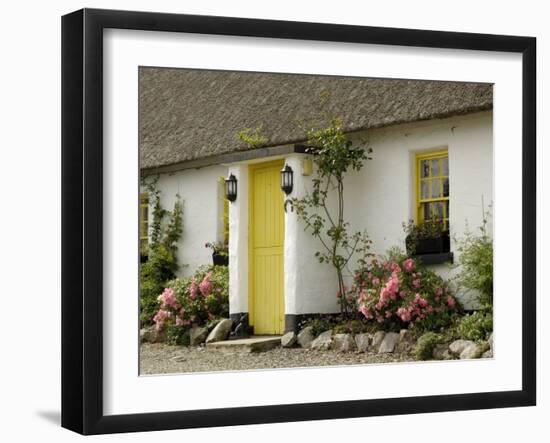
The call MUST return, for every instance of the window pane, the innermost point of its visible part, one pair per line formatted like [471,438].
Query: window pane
[435,168]
[424,189]
[427,211]
[445,162]
[438,210]
[424,168]
[436,190]
[445,187]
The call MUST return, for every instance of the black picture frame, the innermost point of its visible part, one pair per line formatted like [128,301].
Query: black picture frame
[82,215]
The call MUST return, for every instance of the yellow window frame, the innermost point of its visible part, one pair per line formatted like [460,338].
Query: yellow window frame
[432,155]
[143,220]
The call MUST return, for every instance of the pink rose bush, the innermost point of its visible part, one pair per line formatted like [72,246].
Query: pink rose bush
[185,302]
[402,292]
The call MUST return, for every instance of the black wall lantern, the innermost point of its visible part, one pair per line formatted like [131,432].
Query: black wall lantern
[287,179]
[231,188]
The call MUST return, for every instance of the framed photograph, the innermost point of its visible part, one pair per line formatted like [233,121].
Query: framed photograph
[269,221]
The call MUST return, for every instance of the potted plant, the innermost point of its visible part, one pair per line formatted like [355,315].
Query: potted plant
[429,237]
[220,253]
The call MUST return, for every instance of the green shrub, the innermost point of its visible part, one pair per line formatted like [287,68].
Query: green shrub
[149,290]
[476,264]
[198,300]
[176,335]
[426,344]
[162,263]
[476,327]
[356,327]
[319,325]
[398,291]
[437,323]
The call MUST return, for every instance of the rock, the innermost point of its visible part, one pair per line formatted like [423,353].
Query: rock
[389,343]
[288,340]
[144,335]
[197,335]
[490,341]
[406,341]
[441,352]
[343,343]
[471,351]
[458,346]
[305,337]
[323,341]
[487,354]
[362,342]
[377,340]
[220,331]
[151,335]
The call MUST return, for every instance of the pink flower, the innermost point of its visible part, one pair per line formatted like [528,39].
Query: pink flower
[193,289]
[420,301]
[408,265]
[168,299]
[439,292]
[179,321]
[205,285]
[451,302]
[365,311]
[416,283]
[160,318]
[404,314]
[375,281]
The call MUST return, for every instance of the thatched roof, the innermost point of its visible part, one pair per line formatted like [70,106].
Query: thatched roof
[192,114]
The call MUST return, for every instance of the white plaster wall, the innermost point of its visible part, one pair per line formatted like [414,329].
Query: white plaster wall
[310,286]
[202,211]
[381,197]
[238,242]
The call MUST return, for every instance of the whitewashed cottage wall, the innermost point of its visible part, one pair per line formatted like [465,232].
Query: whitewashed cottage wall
[381,197]
[202,212]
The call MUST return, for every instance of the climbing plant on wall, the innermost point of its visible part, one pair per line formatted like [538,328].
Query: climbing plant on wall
[323,209]
[164,234]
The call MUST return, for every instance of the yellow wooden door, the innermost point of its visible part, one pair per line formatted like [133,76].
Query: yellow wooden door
[266,241]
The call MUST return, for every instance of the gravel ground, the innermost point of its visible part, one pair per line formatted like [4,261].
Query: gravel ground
[165,359]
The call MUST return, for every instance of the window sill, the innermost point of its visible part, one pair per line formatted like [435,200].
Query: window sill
[435,259]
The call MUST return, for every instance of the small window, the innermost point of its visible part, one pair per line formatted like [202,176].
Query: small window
[432,188]
[143,224]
